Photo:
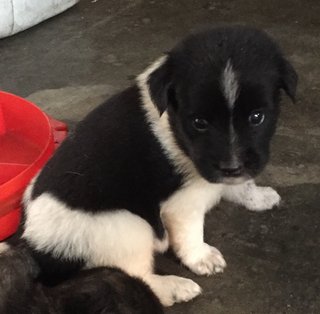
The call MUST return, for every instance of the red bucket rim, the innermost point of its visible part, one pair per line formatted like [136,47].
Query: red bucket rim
[48,148]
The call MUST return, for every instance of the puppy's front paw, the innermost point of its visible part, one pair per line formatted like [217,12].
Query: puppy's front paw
[173,289]
[262,198]
[205,260]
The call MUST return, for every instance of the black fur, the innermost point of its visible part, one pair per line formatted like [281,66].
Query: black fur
[104,290]
[95,291]
[17,271]
[191,88]
[77,172]
[114,161]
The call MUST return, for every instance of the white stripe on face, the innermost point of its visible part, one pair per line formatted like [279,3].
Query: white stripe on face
[230,88]
[230,85]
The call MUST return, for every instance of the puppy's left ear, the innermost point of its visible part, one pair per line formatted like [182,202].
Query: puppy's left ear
[159,84]
[289,79]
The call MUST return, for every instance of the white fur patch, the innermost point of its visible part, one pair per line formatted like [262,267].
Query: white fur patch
[173,289]
[4,247]
[183,216]
[118,238]
[160,125]
[255,198]
[230,88]
[230,84]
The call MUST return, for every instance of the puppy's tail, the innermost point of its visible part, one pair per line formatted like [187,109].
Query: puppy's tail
[17,273]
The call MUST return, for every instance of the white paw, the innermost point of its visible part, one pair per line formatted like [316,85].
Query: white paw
[205,260]
[262,198]
[173,289]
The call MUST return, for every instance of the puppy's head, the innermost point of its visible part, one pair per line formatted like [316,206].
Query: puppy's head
[221,91]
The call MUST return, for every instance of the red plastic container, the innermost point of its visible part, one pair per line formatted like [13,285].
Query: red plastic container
[28,137]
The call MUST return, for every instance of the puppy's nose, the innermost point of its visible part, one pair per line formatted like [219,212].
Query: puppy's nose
[231,169]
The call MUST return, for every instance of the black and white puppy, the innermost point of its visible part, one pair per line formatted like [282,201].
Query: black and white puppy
[141,170]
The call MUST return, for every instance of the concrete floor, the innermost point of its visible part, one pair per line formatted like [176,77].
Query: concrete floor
[68,64]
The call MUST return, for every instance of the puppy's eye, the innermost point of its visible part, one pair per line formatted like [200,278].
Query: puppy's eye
[256,117]
[200,125]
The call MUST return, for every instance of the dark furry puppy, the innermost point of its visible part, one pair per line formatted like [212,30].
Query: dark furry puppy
[141,170]
[95,291]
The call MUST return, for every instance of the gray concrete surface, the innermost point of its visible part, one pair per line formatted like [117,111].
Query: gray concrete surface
[68,64]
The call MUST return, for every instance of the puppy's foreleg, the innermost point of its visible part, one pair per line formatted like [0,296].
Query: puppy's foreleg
[255,198]
[183,216]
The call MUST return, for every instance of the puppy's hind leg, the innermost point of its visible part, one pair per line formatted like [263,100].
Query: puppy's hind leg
[255,198]
[130,245]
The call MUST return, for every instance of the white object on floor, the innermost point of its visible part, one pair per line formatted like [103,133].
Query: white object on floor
[18,15]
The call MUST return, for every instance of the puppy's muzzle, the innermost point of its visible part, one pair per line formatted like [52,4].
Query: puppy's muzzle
[231,169]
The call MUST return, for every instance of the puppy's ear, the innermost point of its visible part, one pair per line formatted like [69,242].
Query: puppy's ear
[159,84]
[289,79]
